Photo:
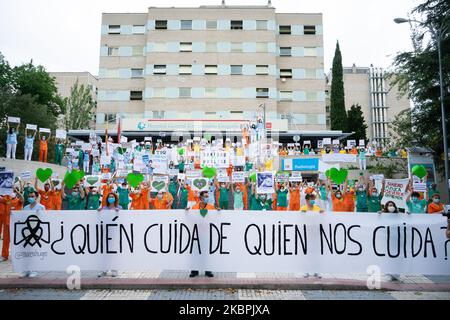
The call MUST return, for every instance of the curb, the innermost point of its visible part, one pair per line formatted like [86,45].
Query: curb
[201,283]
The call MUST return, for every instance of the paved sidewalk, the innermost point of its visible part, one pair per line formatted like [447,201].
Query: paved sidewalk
[171,280]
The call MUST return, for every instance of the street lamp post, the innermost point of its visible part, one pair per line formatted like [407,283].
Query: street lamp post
[437,34]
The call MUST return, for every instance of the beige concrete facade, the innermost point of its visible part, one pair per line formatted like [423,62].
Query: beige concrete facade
[66,80]
[380,101]
[136,55]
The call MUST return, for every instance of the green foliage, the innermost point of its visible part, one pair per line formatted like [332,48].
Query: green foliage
[402,128]
[389,168]
[80,107]
[357,123]
[338,114]
[417,74]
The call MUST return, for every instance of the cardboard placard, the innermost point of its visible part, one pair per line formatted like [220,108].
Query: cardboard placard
[327,141]
[31,127]
[44,130]
[13,120]
[61,134]
[238,177]
[296,176]
[159,183]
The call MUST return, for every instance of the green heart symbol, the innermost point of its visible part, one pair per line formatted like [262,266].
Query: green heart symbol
[203,212]
[135,179]
[209,172]
[419,171]
[72,178]
[55,182]
[121,150]
[180,151]
[199,183]
[327,173]
[158,185]
[92,180]
[338,176]
[253,177]
[44,174]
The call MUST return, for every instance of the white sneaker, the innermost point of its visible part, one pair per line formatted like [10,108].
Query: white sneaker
[102,274]
[317,275]
[33,274]
[306,275]
[114,273]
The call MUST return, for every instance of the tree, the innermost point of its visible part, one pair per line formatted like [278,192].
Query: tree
[401,127]
[338,114]
[356,123]
[417,75]
[80,107]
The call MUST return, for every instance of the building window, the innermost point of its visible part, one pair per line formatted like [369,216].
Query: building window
[311,119]
[262,69]
[236,69]
[236,93]
[135,95]
[110,117]
[311,96]
[261,47]
[236,47]
[285,51]
[211,69]
[113,51]
[286,73]
[158,114]
[138,51]
[184,92]
[185,46]
[261,24]
[161,24]
[186,24]
[211,24]
[310,52]
[113,29]
[310,30]
[159,92]
[285,29]
[211,47]
[210,92]
[236,25]
[262,92]
[159,69]
[185,69]
[327,109]
[310,73]
[112,73]
[286,95]
[138,29]
[137,73]
[160,47]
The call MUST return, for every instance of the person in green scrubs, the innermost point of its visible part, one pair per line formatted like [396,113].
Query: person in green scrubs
[75,199]
[260,202]
[282,192]
[124,195]
[26,191]
[92,199]
[415,204]
[181,165]
[361,196]
[183,196]
[374,198]
[59,152]
[248,166]
[223,195]
[173,189]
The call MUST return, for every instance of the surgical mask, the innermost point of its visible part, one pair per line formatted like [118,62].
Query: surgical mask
[436,200]
[111,200]
[391,209]
[238,191]
[74,193]
[31,200]
[338,196]
[160,196]
[263,198]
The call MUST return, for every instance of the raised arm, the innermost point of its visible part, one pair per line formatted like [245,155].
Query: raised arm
[82,193]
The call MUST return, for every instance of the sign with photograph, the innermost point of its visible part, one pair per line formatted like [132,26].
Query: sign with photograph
[265,182]
[6,182]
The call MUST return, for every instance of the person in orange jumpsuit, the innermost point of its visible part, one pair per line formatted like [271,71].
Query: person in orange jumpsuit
[145,199]
[57,198]
[106,189]
[47,195]
[136,196]
[162,201]
[43,147]
[294,197]
[8,204]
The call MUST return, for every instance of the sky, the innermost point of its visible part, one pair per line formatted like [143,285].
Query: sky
[64,35]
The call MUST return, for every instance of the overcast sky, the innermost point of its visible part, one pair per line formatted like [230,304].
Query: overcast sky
[64,35]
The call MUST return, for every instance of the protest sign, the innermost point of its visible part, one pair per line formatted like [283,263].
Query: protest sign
[13,119]
[265,182]
[223,177]
[60,134]
[6,182]
[25,175]
[79,143]
[45,130]
[238,177]
[173,172]
[362,143]
[326,141]
[319,144]
[419,185]
[351,143]
[200,184]
[92,181]
[282,177]
[105,160]
[395,191]
[159,161]
[31,127]
[336,142]
[95,153]
[296,176]
[221,242]
[181,176]
[159,183]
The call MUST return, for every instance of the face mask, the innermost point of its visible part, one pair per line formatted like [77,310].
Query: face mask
[31,200]
[238,191]
[391,209]
[263,198]
[361,189]
[282,189]
[436,200]
[160,196]
[13,196]
[111,200]
[313,202]
[74,193]
[339,196]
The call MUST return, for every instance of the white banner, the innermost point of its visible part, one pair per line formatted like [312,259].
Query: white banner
[395,191]
[32,127]
[337,157]
[295,242]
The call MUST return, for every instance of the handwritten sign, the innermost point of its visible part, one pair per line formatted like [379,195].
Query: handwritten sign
[32,127]
[238,177]
[395,191]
